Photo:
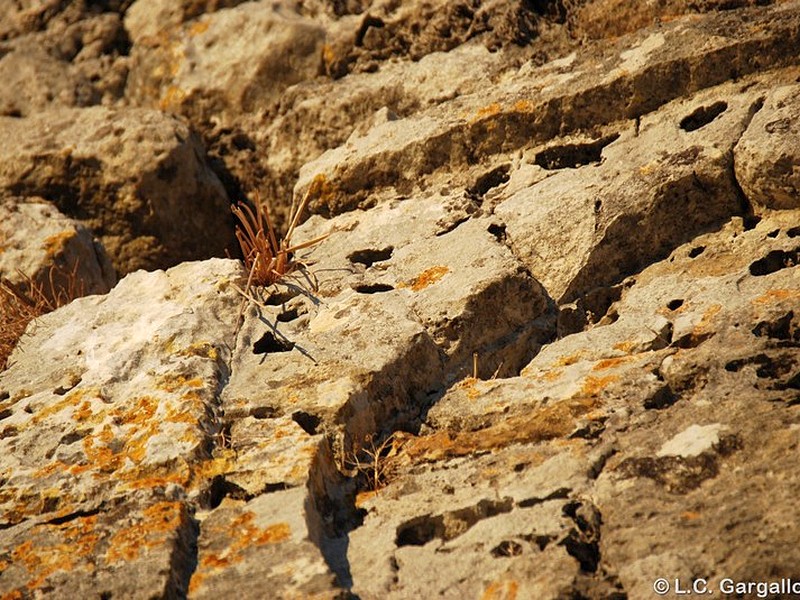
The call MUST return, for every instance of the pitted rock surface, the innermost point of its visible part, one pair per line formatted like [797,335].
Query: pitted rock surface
[547,346]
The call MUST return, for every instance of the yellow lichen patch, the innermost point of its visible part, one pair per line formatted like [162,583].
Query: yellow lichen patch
[486,111]
[524,106]
[71,400]
[173,98]
[12,595]
[198,27]
[73,540]
[776,296]
[703,326]
[201,349]
[501,590]
[625,347]
[552,421]
[55,243]
[568,360]
[171,383]
[610,363]
[243,534]
[157,524]
[468,385]
[594,385]
[426,278]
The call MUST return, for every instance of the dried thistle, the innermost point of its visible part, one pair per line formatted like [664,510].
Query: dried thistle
[267,259]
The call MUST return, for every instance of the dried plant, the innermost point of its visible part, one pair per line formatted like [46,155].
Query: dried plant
[373,461]
[23,302]
[267,259]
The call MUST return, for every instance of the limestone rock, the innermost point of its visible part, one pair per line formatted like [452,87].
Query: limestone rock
[577,92]
[766,155]
[233,60]
[109,405]
[39,242]
[69,59]
[593,221]
[144,187]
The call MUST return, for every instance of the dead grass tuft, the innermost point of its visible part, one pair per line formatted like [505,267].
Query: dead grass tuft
[267,259]
[23,302]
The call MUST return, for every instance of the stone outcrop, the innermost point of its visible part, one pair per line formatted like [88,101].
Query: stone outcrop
[546,345]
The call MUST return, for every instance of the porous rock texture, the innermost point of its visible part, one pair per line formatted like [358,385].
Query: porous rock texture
[547,347]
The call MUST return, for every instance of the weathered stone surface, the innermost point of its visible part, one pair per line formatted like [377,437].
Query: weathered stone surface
[110,404]
[669,431]
[68,56]
[767,161]
[137,178]
[549,347]
[579,92]
[233,60]
[632,198]
[38,242]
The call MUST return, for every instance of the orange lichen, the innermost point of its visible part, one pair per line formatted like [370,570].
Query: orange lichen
[75,539]
[157,523]
[594,385]
[524,106]
[777,295]
[568,360]
[610,363]
[198,27]
[55,243]
[245,534]
[426,278]
[501,590]
[486,111]
[468,385]
[626,346]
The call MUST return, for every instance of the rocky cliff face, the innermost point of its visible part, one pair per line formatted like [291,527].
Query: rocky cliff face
[549,348]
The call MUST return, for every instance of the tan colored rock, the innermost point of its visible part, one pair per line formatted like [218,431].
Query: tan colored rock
[137,178]
[231,61]
[37,241]
[766,159]
[645,191]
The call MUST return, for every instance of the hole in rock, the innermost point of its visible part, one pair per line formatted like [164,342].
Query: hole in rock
[7,432]
[309,423]
[278,298]
[703,115]
[750,221]
[779,329]
[585,552]
[263,412]
[288,315]
[696,251]
[498,231]
[5,413]
[4,396]
[507,548]
[793,232]
[662,398]
[774,233]
[269,344]
[420,531]
[487,181]
[775,261]
[73,437]
[369,21]
[675,304]
[571,156]
[373,288]
[370,256]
